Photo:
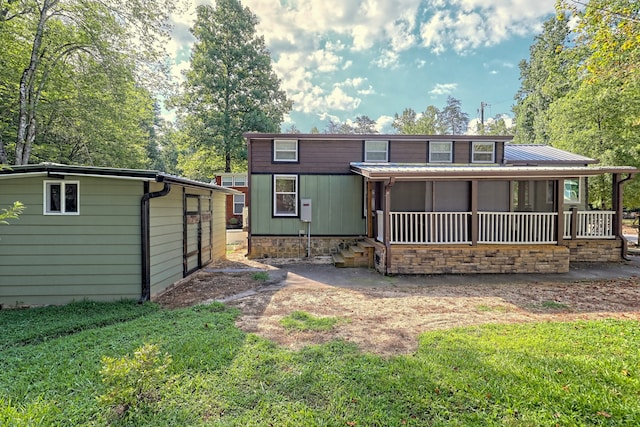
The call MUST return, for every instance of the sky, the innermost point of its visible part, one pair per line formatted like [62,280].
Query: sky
[340,59]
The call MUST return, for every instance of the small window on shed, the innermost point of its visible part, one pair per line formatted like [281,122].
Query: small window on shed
[61,198]
[482,152]
[440,151]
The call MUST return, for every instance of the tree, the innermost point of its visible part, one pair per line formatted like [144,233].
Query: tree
[63,33]
[425,123]
[364,125]
[230,87]
[453,119]
[545,78]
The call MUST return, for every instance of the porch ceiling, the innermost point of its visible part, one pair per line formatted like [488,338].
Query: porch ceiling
[428,172]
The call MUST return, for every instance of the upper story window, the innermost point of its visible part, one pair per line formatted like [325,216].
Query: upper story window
[285,150]
[376,151]
[482,152]
[572,190]
[61,198]
[285,195]
[441,151]
[233,181]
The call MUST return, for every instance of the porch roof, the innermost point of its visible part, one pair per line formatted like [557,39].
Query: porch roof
[428,172]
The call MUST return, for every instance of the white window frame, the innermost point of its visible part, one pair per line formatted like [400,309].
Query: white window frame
[229,180]
[276,193]
[46,197]
[280,150]
[474,152]
[369,150]
[432,152]
[242,179]
[236,203]
[569,200]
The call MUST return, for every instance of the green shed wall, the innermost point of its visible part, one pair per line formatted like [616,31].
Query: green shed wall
[336,201]
[55,259]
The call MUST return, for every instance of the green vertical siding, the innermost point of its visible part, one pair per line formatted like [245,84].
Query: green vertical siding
[337,206]
[54,259]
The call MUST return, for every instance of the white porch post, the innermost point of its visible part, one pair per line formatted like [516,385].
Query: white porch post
[560,211]
[474,212]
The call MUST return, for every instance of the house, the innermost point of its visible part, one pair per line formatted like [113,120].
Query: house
[428,204]
[235,202]
[104,234]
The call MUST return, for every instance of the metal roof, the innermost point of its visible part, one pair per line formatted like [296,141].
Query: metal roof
[415,171]
[55,170]
[532,154]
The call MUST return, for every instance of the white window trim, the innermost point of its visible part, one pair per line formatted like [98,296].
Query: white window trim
[564,191]
[223,184]
[45,197]
[473,151]
[238,203]
[244,181]
[275,193]
[276,151]
[431,152]
[367,151]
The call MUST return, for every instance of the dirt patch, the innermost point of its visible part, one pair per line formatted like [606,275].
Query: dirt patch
[388,319]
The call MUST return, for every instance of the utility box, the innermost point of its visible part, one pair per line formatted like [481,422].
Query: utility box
[305,210]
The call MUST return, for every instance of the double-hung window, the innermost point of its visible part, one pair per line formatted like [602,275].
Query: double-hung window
[376,151]
[240,181]
[285,150]
[440,152]
[482,152]
[285,195]
[238,204]
[61,198]
[227,181]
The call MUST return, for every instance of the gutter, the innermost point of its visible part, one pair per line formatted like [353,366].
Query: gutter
[146,239]
[624,253]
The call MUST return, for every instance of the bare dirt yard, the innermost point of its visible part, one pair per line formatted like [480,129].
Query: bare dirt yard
[385,315]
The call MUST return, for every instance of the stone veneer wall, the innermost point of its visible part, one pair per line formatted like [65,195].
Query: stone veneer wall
[296,247]
[595,250]
[474,259]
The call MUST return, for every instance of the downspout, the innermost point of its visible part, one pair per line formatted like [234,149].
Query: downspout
[146,238]
[619,233]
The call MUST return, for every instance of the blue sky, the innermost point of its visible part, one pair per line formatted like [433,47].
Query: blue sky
[339,59]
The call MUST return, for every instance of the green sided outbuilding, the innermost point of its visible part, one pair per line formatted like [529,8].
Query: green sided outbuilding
[103,233]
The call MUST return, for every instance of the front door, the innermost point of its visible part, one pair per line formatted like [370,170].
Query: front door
[197,232]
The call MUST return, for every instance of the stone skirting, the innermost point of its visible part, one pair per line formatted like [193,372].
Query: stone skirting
[413,259]
[296,247]
[595,250]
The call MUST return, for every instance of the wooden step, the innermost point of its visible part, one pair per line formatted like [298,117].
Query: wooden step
[338,260]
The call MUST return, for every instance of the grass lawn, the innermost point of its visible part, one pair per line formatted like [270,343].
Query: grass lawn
[86,364]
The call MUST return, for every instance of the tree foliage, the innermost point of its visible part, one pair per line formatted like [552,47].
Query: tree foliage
[76,79]
[230,89]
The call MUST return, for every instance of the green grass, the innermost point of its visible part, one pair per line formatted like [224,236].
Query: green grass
[261,276]
[303,321]
[580,373]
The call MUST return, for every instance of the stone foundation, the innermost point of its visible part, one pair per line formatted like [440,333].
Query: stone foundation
[296,247]
[595,250]
[410,259]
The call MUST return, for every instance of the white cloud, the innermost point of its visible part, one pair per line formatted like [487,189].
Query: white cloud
[388,59]
[338,99]
[443,88]
[384,124]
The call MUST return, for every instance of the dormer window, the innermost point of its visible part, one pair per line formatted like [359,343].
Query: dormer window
[285,150]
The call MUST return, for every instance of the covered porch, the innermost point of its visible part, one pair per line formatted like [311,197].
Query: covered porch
[427,219]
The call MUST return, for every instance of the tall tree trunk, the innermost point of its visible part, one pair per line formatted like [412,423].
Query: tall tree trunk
[28,98]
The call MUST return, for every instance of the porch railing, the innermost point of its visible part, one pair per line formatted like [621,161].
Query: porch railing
[590,225]
[493,227]
[516,227]
[430,227]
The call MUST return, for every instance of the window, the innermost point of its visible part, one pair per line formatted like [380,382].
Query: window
[61,198]
[238,204]
[572,190]
[440,151]
[285,150]
[227,181]
[376,151]
[285,195]
[482,152]
[240,181]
